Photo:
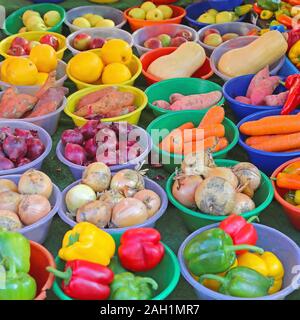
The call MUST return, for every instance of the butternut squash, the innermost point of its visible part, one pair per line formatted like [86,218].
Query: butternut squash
[263,51]
[181,63]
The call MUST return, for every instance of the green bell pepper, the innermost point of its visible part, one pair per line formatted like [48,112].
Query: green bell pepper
[212,251]
[127,286]
[16,246]
[242,282]
[17,285]
[268,5]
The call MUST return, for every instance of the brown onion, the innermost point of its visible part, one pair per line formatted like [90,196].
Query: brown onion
[215,196]
[184,189]
[7,185]
[9,220]
[97,175]
[95,212]
[150,199]
[242,204]
[111,197]
[10,200]
[225,173]
[35,182]
[33,208]
[129,212]
[197,163]
[78,196]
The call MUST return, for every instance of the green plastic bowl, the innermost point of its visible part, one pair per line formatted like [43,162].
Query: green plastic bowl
[195,220]
[173,120]
[14,23]
[166,274]
[186,86]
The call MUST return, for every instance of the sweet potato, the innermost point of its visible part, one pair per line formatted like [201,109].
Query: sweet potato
[243,99]
[261,75]
[276,100]
[175,97]
[50,83]
[266,87]
[197,101]
[162,104]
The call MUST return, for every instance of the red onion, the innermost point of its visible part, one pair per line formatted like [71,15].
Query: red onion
[6,130]
[90,129]
[90,146]
[72,136]
[23,133]
[6,164]
[14,147]
[75,153]
[1,151]
[35,148]
[22,161]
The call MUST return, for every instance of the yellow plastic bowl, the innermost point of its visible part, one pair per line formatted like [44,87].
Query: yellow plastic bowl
[34,36]
[135,67]
[133,117]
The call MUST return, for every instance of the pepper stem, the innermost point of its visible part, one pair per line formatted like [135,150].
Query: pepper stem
[73,239]
[152,282]
[246,247]
[212,277]
[65,275]
[254,218]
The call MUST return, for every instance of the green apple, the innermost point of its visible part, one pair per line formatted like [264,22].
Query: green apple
[223,17]
[137,13]
[155,15]
[165,39]
[94,19]
[105,23]
[166,10]
[147,6]
[81,23]
[206,18]
[52,18]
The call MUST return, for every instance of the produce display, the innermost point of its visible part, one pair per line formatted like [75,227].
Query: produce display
[111,201]
[84,41]
[111,67]
[91,20]
[97,271]
[149,11]
[105,142]
[26,203]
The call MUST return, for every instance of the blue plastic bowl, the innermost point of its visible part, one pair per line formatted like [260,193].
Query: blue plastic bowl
[194,10]
[270,240]
[225,5]
[238,87]
[265,161]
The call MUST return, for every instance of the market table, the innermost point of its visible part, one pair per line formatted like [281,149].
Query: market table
[170,225]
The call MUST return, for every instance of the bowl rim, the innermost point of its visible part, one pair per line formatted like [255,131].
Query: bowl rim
[95,88]
[230,146]
[278,197]
[157,84]
[161,211]
[165,293]
[260,152]
[196,285]
[198,214]
[95,7]
[57,194]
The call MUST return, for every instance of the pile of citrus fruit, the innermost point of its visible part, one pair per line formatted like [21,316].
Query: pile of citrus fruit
[32,70]
[108,65]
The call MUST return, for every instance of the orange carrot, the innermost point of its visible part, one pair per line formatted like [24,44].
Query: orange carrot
[279,117]
[222,144]
[252,141]
[292,150]
[280,143]
[214,115]
[198,146]
[194,134]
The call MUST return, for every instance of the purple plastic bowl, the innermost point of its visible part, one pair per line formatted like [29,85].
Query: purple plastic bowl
[38,231]
[150,223]
[270,240]
[49,122]
[43,135]
[77,170]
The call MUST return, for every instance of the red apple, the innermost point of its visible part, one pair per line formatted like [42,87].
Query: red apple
[210,31]
[185,34]
[21,42]
[16,51]
[153,43]
[176,42]
[82,41]
[50,40]
[97,43]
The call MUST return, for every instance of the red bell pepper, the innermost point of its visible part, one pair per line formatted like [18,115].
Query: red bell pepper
[85,280]
[240,230]
[292,37]
[256,8]
[141,249]
[292,83]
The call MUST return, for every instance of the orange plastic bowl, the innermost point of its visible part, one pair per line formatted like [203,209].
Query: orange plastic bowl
[292,212]
[204,72]
[178,15]
[40,259]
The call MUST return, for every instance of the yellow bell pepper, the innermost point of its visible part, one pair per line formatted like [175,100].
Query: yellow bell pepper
[87,242]
[266,264]
[263,31]
[297,197]
[266,14]
[294,54]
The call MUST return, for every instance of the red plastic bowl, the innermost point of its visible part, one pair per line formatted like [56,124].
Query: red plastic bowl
[178,15]
[292,212]
[40,259]
[204,72]
[159,2]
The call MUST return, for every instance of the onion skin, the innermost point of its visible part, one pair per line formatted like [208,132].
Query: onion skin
[10,220]
[215,196]
[95,212]
[184,190]
[33,208]
[10,201]
[35,182]
[225,173]
[97,176]
[150,199]
[243,203]
[78,196]
[7,185]
[111,197]
[197,163]
[129,212]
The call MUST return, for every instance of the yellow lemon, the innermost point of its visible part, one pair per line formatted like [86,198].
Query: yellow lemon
[21,71]
[44,57]
[116,50]
[115,73]
[86,67]
[41,78]
[4,66]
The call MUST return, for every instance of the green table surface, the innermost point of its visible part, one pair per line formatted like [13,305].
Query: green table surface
[170,225]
